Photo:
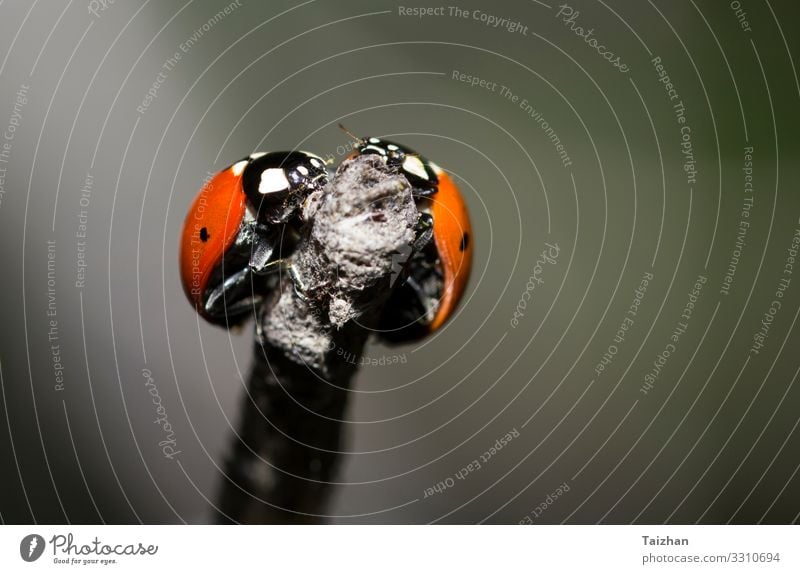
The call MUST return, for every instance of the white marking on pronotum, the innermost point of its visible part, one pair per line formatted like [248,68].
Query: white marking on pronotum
[258,155]
[412,164]
[377,149]
[273,180]
[238,167]
[316,161]
[436,169]
[374,140]
[302,169]
[392,147]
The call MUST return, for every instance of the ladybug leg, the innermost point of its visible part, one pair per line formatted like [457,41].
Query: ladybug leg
[419,293]
[423,191]
[299,286]
[274,265]
[424,299]
[265,250]
[424,230]
[260,256]
[232,298]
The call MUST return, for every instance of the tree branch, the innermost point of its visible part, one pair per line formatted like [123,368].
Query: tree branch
[309,331]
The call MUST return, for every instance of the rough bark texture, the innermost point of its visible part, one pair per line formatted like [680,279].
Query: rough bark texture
[309,335]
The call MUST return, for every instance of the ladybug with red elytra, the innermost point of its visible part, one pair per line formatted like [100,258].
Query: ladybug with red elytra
[247,219]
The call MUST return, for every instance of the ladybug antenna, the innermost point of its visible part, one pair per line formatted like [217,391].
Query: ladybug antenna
[348,132]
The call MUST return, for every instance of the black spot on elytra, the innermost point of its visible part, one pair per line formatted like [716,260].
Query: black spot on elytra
[204,235]
[464,241]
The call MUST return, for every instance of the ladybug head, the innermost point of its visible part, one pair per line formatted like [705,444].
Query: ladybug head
[275,184]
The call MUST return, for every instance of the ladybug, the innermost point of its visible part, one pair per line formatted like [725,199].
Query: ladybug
[436,272]
[241,221]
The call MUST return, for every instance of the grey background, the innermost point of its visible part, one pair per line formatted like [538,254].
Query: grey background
[714,440]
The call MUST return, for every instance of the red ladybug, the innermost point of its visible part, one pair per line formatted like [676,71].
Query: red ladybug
[246,218]
[236,228]
[437,271]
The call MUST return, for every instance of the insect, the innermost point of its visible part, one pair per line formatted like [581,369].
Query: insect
[241,221]
[438,267]
[246,220]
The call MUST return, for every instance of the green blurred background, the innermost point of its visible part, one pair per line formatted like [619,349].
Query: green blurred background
[712,440]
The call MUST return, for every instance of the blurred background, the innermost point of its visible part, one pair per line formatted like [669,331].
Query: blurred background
[626,350]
